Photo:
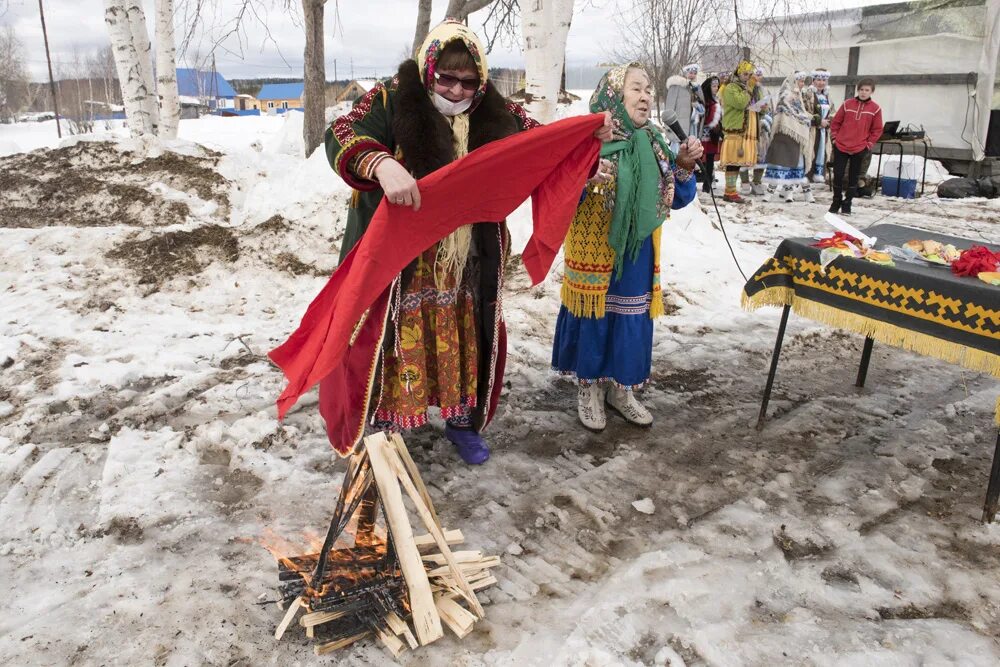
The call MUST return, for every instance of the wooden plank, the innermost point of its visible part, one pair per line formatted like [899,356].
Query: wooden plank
[460,557]
[320,649]
[475,581]
[400,627]
[411,468]
[293,609]
[427,540]
[853,58]
[433,527]
[934,79]
[458,619]
[319,618]
[453,592]
[311,631]
[391,642]
[425,617]
[465,568]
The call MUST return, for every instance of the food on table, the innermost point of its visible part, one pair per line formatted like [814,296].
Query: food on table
[934,251]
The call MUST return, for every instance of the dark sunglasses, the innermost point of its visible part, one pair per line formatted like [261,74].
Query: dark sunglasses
[449,81]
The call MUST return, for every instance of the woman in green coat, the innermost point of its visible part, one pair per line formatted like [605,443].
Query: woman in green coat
[739,124]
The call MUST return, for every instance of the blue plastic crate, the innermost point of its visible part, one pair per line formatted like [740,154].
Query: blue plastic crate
[896,187]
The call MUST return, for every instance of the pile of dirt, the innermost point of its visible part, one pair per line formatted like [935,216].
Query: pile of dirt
[97,184]
[163,256]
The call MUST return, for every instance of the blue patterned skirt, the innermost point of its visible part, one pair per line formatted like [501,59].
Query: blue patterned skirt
[619,346]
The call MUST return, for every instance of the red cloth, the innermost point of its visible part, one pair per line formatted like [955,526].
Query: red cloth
[976,260]
[837,241]
[857,125]
[550,163]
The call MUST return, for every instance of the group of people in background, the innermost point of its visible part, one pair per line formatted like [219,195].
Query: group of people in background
[779,144]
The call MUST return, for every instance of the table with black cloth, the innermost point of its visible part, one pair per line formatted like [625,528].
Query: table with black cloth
[923,308]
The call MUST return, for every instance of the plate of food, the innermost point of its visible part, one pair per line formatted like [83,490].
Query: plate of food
[934,252]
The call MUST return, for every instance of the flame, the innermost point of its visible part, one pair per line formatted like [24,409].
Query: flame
[350,562]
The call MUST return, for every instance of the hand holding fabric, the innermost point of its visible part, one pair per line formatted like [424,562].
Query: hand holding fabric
[399,186]
[603,174]
[604,132]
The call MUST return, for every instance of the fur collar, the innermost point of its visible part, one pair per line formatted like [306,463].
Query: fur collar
[423,133]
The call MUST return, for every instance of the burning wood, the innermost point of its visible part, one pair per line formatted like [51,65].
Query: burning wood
[383,584]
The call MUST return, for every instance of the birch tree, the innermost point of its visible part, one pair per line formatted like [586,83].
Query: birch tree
[130,41]
[544,26]
[166,70]
[13,73]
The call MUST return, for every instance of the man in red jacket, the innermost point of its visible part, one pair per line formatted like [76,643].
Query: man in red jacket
[855,129]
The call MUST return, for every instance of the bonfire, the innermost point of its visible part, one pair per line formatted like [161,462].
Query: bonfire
[371,576]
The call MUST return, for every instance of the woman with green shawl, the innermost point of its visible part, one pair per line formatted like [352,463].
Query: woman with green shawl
[611,288]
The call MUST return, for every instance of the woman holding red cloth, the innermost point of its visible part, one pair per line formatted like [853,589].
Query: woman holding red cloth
[440,344]
[442,341]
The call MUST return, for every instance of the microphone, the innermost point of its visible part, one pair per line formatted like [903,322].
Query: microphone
[669,118]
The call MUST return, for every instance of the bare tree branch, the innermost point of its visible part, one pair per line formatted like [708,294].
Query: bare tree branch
[501,24]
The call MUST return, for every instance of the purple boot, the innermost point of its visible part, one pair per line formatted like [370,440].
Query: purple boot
[470,445]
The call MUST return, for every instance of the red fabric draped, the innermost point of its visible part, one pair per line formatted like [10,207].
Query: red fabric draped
[549,163]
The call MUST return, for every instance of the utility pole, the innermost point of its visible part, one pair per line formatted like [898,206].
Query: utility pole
[215,87]
[352,68]
[48,58]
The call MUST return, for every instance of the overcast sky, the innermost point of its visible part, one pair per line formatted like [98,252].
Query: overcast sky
[371,33]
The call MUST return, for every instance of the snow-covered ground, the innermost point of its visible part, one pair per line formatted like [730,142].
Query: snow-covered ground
[140,460]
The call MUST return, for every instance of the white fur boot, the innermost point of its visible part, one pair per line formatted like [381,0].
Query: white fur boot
[624,403]
[590,407]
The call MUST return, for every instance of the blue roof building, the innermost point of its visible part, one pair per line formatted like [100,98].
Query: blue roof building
[281,91]
[280,97]
[209,86]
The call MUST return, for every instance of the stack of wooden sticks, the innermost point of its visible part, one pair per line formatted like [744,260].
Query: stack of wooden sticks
[391,585]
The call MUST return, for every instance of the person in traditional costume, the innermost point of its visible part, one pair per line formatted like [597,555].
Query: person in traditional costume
[790,143]
[824,110]
[684,97]
[711,132]
[611,289]
[739,124]
[760,106]
[441,342]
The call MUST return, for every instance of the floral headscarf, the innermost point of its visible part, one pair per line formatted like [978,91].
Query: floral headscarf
[644,180]
[441,36]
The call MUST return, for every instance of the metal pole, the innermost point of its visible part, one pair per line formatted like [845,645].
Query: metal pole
[774,367]
[993,490]
[866,355]
[48,59]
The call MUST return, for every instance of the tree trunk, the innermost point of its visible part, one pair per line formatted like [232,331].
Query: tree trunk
[423,24]
[166,69]
[314,124]
[544,26]
[130,41]
[460,9]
